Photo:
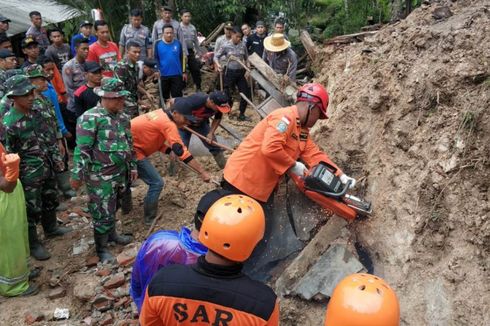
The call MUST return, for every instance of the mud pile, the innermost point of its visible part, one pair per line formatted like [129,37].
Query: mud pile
[410,119]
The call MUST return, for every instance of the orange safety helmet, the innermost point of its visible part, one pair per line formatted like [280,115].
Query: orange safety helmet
[233,226]
[363,300]
[314,93]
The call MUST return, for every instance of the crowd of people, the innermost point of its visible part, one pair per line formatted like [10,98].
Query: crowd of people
[93,112]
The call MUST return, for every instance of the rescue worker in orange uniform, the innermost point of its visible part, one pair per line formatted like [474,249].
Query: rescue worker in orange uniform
[273,149]
[363,300]
[157,131]
[215,291]
[274,146]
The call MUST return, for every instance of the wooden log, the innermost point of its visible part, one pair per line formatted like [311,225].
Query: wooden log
[350,38]
[308,43]
[213,34]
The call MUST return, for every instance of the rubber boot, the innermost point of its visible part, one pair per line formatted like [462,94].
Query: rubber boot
[126,201]
[220,159]
[50,225]
[35,246]
[119,239]
[101,241]
[63,181]
[31,290]
[150,212]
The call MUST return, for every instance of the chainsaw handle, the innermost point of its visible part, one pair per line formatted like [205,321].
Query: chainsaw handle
[333,194]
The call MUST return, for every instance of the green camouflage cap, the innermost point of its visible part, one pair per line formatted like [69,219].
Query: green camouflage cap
[111,87]
[34,71]
[13,72]
[18,85]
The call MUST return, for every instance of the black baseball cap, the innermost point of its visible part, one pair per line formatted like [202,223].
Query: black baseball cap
[151,63]
[259,23]
[221,100]
[6,53]
[28,41]
[167,8]
[86,23]
[205,204]
[92,66]
[229,25]
[4,19]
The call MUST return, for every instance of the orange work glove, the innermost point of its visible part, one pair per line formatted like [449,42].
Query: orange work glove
[11,163]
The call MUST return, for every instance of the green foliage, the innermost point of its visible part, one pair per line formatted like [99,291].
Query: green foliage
[338,17]
[334,17]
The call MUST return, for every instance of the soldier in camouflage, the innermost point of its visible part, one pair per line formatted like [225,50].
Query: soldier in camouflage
[105,160]
[26,133]
[7,61]
[127,71]
[43,106]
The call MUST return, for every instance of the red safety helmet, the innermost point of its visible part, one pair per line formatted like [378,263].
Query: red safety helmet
[314,93]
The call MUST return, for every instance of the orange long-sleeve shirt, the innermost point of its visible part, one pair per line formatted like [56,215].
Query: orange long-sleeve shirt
[154,131]
[271,148]
[59,85]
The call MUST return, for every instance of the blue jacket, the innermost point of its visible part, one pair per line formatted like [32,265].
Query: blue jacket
[50,93]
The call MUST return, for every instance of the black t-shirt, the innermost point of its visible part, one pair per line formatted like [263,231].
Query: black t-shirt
[85,99]
[255,44]
[196,105]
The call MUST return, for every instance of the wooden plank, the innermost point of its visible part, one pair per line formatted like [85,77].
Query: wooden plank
[308,43]
[269,87]
[301,264]
[266,71]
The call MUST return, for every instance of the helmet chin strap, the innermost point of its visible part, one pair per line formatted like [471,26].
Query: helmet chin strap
[310,107]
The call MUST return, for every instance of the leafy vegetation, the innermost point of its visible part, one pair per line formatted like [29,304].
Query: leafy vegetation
[330,17]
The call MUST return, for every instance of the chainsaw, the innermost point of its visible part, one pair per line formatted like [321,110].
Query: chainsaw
[325,188]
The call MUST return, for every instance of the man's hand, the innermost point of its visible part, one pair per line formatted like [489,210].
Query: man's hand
[150,97]
[210,137]
[62,148]
[299,169]
[59,166]
[134,175]
[75,184]
[218,67]
[344,178]
[68,135]
[156,75]
[205,177]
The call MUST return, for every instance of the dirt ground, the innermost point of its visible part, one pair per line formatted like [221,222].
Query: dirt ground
[409,118]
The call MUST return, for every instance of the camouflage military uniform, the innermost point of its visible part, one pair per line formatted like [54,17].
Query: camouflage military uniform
[2,82]
[31,137]
[127,72]
[104,157]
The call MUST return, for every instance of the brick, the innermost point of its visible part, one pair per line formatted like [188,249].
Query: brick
[107,320]
[103,272]
[127,257]
[102,303]
[115,281]
[57,293]
[33,316]
[92,261]
[123,302]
